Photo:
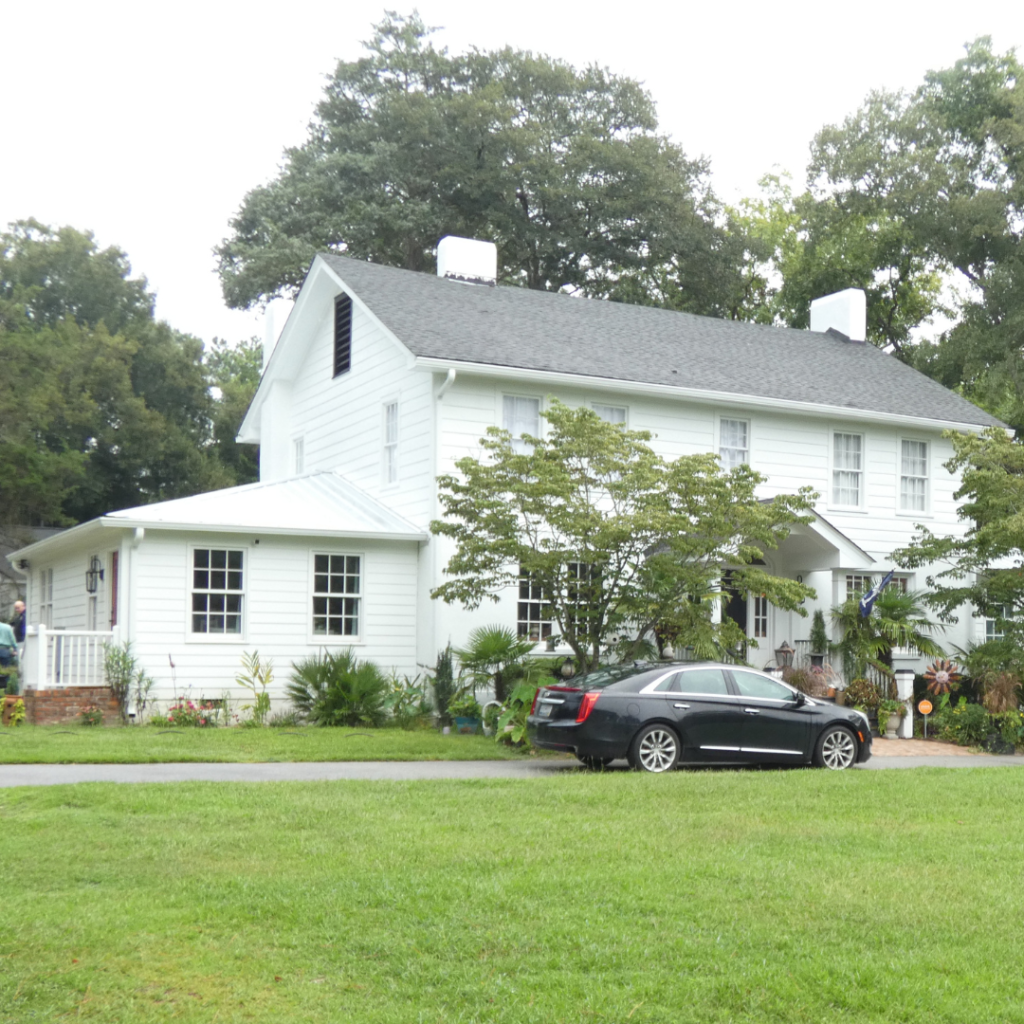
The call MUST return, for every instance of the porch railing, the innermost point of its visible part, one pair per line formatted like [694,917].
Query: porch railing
[64,657]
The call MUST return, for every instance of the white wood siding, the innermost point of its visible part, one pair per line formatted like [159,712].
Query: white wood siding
[341,422]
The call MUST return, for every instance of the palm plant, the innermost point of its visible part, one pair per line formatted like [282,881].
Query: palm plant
[494,655]
[336,688]
[897,620]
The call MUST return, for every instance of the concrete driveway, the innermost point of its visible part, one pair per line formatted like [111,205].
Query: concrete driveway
[886,754]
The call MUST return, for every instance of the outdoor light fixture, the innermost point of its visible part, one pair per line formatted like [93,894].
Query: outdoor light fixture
[93,575]
[784,655]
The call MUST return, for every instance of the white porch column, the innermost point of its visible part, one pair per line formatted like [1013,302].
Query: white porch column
[39,656]
[905,692]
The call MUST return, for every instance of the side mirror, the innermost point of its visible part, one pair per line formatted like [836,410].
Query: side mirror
[799,699]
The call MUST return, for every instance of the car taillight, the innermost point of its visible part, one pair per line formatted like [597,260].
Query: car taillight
[589,700]
[533,706]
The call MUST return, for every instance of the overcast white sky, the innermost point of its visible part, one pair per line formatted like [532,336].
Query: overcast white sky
[148,122]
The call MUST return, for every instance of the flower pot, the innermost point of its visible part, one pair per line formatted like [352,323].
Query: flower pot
[892,727]
[8,708]
[817,661]
[467,726]
[841,698]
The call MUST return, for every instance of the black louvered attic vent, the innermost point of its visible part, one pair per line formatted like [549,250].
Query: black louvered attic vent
[342,335]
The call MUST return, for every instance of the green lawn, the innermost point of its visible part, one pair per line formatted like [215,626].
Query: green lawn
[781,896]
[77,744]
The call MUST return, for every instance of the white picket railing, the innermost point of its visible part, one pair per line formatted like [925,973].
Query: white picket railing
[64,657]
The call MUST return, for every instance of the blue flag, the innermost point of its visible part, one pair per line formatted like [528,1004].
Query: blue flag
[867,602]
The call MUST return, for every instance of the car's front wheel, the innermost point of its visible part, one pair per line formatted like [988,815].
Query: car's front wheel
[654,749]
[837,749]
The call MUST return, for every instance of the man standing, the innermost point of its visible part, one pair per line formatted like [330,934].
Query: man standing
[18,625]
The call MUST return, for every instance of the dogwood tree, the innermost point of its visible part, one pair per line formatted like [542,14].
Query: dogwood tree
[615,537]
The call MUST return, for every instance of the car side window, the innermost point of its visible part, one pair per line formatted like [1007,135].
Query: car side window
[751,684]
[700,680]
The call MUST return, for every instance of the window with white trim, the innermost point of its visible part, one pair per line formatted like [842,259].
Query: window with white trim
[995,628]
[610,413]
[847,469]
[859,584]
[733,443]
[390,464]
[760,617]
[299,455]
[913,475]
[46,597]
[533,611]
[337,595]
[217,591]
[520,416]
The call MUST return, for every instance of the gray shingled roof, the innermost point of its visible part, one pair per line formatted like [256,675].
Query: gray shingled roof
[516,327]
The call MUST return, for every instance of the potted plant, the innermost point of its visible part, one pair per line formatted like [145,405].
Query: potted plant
[819,640]
[466,713]
[889,714]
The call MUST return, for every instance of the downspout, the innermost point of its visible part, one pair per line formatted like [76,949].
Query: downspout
[127,596]
[446,383]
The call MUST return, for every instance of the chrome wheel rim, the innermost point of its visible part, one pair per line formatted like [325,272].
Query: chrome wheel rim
[657,752]
[838,750]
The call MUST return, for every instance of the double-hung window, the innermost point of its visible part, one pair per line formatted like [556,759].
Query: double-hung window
[390,466]
[760,616]
[733,443]
[610,413]
[533,617]
[520,416]
[46,597]
[337,596]
[847,469]
[217,591]
[913,475]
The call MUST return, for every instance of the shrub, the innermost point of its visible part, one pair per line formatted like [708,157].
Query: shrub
[126,680]
[408,702]
[444,685]
[862,693]
[187,714]
[1001,692]
[512,723]
[966,724]
[465,706]
[338,689]
[9,677]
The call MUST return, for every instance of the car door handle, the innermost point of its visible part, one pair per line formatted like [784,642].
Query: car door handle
[751,711]
[686,706]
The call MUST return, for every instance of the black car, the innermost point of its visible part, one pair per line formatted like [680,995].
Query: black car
[697,713]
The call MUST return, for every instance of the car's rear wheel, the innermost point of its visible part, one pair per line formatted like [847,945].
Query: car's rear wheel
[655,748]
[594,762]
[836,749]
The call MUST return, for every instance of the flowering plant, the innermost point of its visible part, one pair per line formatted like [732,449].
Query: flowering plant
[189,713]
[91,715]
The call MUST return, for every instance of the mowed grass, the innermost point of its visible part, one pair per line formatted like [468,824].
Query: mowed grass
[782,896]
[77,744]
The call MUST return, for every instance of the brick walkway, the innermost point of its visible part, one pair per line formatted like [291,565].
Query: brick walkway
[921,748]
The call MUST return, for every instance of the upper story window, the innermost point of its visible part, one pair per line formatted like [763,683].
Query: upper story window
[217,578]
[46,597]
[913,475]
[610,413]
[847,469]
[337,595]
[342,335]
[733,443]
[390,462]
[861,584]
[520,416]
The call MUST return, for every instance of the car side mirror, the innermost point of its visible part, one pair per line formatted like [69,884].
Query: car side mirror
[799,699]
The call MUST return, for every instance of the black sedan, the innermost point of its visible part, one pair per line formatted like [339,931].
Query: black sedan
[699,713]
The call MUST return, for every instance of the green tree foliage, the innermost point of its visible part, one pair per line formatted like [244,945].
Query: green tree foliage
[102,406]
[615,536]
[919,199]
[563,169]
[981,569]
[234,371]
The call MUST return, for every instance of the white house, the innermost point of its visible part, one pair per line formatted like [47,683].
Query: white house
[383,378]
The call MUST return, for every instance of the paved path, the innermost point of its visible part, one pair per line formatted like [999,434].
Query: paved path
[887,754]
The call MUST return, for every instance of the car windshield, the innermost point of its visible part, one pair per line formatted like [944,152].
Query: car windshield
[602,677]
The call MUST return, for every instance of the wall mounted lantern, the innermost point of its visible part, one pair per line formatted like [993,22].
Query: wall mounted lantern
[93,574]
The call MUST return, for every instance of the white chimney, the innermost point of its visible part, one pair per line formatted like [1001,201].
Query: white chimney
[467,260]
[845,311]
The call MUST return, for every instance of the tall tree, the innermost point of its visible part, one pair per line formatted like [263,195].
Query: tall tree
[563,169]
[919,199]
[101,405]
[613,536]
